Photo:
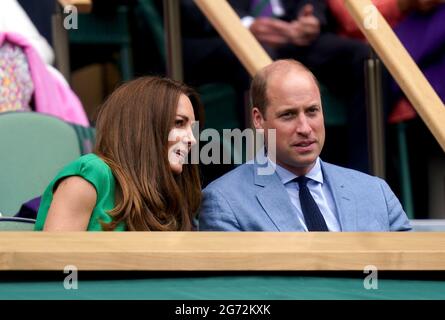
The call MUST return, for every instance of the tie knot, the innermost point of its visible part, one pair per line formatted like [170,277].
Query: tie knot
[302,181]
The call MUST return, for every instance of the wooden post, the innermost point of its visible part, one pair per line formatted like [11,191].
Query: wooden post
[240,40]
[83,6]
[400,64]
[172,26]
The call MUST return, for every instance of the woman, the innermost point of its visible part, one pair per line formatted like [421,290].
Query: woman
[136,178]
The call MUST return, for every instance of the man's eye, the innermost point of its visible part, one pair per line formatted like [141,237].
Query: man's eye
[286,115]
[312,110]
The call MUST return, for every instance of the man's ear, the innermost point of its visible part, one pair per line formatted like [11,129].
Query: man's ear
[257,118]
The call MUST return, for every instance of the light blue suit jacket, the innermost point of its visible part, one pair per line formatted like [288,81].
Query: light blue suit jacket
[243,200]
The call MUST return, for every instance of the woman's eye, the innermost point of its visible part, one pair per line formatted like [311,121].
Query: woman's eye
[179,123]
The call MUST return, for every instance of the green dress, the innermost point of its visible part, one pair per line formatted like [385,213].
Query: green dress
[98,173]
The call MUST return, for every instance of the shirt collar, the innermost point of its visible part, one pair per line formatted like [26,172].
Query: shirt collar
[286,176]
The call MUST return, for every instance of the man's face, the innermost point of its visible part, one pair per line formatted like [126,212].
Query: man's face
[295,112]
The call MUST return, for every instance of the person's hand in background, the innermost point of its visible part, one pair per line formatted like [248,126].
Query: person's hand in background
[305,28]
[271,32]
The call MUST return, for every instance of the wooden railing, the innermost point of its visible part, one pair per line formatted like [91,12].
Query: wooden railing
[221,251]
[401,66]
[83,6]
[238,38]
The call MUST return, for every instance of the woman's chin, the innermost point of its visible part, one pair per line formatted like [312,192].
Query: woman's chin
[176,168]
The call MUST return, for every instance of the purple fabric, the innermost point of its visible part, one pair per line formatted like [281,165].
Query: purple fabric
[423,35]
[29,209]
[265,8]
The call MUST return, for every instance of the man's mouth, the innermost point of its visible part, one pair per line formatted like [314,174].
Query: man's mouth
[304,144]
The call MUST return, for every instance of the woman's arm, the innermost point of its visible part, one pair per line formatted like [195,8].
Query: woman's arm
[72,205]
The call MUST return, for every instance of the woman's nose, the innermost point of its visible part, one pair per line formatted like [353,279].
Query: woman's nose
[189,137]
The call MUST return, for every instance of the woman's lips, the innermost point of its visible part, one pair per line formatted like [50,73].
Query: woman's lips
[181,154]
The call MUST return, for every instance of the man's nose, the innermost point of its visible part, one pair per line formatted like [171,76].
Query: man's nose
[303,126]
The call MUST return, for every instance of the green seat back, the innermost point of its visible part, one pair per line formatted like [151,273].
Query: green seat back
[107,29]
[16,224]
[155,23]
[87,138]
[34,147]
[102,28]
[334,110]
[219,100]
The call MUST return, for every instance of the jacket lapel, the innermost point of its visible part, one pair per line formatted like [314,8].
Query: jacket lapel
[344,199]
[275,201]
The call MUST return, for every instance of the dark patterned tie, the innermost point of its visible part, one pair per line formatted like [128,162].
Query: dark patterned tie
[312,215]
[261,8]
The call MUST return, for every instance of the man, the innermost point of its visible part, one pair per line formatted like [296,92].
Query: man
[301,30]
[303,193]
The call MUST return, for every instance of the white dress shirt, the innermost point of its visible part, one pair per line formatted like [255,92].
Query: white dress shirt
[319,190]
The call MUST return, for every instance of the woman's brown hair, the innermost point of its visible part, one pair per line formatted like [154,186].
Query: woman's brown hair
[132,138]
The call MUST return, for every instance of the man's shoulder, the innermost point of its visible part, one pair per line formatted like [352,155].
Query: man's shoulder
[349,174]
[234,179]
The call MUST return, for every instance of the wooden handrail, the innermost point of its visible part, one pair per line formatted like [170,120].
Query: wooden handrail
[238,38]
[221,251]
[401,66]
[83,6]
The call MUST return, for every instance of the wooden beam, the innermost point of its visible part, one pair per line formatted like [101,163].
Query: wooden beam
[83,6]
[400,64]
[240,40]
[221,251]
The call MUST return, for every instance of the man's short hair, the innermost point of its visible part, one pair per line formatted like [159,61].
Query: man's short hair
[258,87]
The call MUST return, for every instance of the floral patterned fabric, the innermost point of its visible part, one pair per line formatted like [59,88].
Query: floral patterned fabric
[16,86]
